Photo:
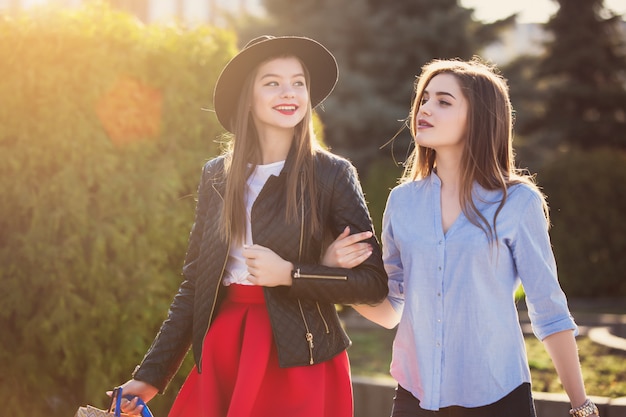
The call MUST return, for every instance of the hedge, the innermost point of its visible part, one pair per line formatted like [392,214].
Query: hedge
[104,129]
[585,192]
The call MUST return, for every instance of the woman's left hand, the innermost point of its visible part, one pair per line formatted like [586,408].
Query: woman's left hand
[348,251]
[266,268]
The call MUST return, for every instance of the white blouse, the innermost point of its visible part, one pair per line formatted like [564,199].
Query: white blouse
[236,269]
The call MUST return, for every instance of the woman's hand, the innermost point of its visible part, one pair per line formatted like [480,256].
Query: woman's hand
[266,268]
[348,251]
[138,389]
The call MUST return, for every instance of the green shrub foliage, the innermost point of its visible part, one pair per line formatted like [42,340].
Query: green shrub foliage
[103,133]
[382,176]
[587,204]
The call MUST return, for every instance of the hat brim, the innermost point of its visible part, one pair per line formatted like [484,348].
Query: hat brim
[320,63]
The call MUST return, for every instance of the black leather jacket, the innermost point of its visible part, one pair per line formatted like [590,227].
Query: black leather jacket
[308,306]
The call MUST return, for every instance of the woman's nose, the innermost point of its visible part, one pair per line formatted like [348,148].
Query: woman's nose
[288,92]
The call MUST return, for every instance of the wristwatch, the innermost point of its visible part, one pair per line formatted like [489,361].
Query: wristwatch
[588,408]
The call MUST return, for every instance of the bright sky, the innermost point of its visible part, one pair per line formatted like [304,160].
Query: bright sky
[536,11]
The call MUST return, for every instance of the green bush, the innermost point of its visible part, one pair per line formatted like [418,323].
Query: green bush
[102,136]
[382,176]
[587,204]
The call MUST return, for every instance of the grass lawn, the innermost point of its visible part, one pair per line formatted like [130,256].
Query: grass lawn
[604,369]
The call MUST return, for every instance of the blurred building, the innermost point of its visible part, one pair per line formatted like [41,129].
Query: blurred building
[521,39]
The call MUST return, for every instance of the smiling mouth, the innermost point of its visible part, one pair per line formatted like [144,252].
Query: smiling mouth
[286,109]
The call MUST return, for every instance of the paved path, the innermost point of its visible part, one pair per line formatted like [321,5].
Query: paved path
[608,329]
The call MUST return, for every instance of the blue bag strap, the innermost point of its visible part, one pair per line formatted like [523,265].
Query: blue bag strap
[117,394]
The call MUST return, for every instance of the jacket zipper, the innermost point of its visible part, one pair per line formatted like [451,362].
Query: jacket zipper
[319,309]
[308,335]
[297,274]
[219,282]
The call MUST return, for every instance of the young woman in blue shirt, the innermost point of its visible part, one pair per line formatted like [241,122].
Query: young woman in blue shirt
[460,232]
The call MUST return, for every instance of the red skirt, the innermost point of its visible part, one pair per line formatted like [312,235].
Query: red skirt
[241,376]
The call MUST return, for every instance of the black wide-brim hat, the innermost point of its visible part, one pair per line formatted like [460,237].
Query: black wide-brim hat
[320,63]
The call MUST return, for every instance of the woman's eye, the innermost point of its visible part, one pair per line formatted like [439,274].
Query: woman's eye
[443,103]
[424,101]
[299,83]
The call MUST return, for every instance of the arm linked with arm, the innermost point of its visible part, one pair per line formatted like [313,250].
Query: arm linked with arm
[388,313]
[365,283]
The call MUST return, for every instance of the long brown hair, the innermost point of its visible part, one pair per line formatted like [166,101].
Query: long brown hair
[488,158]
[243,154]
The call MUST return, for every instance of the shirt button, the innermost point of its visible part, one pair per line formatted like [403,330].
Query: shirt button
[440,268]
[440,242]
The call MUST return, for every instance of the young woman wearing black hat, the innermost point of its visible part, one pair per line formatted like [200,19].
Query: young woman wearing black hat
[257,301]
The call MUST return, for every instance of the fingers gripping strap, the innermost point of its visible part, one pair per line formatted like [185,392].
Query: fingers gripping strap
[117,397]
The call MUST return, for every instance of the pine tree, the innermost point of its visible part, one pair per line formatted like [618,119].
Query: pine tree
[585,71]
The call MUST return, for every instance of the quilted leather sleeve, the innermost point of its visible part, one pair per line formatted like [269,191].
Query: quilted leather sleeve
[172,342]
[342,204]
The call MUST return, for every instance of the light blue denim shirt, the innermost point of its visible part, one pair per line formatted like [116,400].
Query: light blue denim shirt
[459,341]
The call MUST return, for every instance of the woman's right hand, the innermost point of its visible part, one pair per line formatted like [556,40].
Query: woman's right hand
[138,389]
[348,251]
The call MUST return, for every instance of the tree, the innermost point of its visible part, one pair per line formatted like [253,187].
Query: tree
[585,70]
[380,47]
[588,234]
[528,97]
[572,121]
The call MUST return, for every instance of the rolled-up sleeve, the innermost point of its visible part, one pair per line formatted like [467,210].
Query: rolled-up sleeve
[536,266]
